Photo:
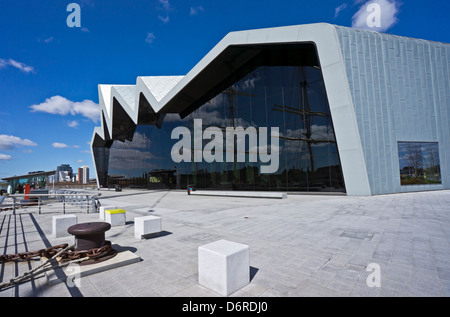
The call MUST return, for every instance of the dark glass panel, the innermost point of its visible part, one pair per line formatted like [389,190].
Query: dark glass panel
[291,98]
[101,155]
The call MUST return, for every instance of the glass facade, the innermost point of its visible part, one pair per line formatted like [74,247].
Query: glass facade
[419,163]
[36,180]
[290,98]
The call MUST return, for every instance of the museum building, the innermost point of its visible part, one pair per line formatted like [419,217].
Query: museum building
[307,108]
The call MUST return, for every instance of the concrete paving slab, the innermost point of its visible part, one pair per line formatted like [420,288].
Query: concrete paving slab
[303,245]
[76,271]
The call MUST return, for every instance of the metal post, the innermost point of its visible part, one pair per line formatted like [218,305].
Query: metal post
[64,204]
[14,205]
[87,203]
[39,204]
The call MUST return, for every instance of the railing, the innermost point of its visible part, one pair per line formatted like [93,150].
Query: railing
[59,200]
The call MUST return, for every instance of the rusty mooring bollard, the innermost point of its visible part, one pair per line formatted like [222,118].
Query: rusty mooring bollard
[89,235]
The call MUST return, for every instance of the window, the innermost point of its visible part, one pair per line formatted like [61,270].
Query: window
[292,98]
[419,163]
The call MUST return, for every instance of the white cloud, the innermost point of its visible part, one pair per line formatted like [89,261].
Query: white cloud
[9,142]
[45,40]
[319,133]
[58,145]
[62,106]
[4,157]
[80,161]
[196,10]
[21,66]
[165,4]
[388,15]
[339,9]
[166,7]
[164,20]
[73,124]
[150,38]
[140,141]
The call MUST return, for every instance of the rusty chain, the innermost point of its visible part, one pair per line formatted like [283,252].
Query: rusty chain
[63,254]
[68,255]
[94,253]
[25,256]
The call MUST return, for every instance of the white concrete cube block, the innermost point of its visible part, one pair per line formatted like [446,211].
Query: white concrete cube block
[146,225]
[115,217]
[224,266]
[60,224]
[102,211]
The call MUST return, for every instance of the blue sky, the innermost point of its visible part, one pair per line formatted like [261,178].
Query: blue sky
[49,72]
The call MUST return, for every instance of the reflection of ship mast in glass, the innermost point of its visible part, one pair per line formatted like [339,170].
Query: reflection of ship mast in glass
[233,93]
[307,116]
[232,98]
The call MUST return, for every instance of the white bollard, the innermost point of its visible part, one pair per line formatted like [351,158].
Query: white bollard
[116,217]
[102,211]
[146,225]
[224,266]
[60,224]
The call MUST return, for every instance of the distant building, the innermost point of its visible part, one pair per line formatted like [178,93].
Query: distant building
[34,179]
[83,175]
[64,176]
[80,176]
[63,173]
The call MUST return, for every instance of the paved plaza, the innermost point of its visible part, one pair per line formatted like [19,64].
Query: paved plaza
[304,245]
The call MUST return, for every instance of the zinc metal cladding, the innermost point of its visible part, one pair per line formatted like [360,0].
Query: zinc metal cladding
[401,92]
